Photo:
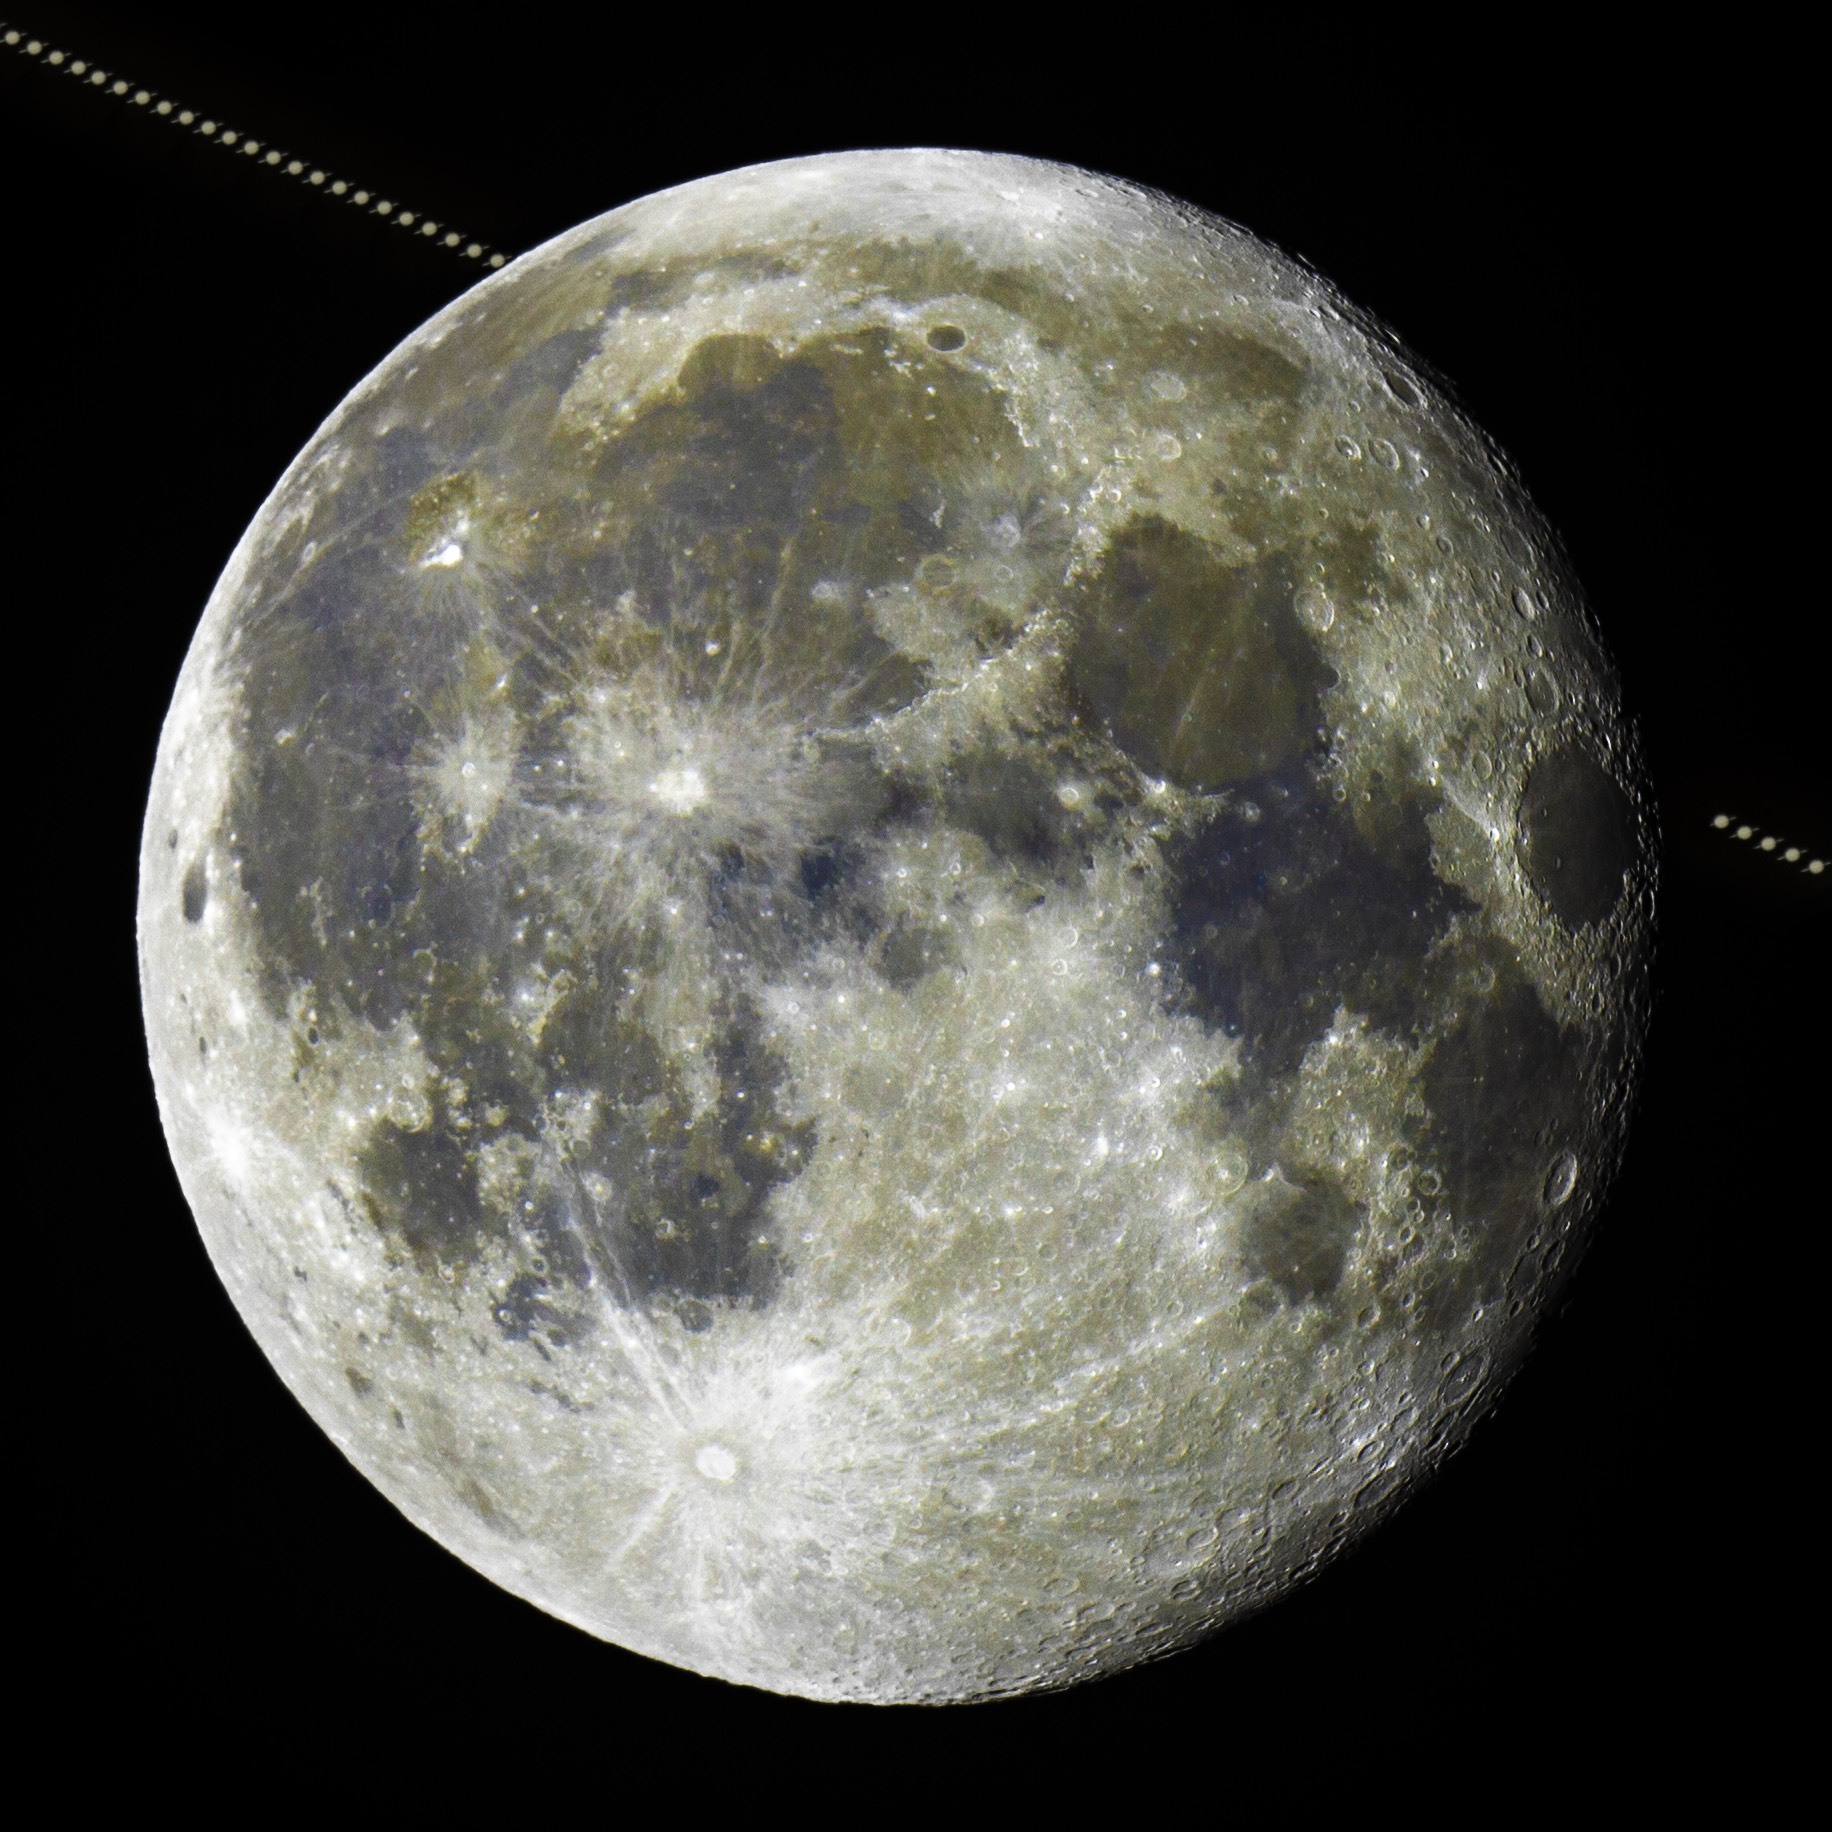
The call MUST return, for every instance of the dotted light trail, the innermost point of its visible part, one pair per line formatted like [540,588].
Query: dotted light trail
[1768,842]
[107,82]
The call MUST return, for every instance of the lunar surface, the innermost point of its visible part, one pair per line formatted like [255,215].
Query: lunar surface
[893,921]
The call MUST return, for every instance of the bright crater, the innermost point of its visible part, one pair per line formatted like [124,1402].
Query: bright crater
[893,921]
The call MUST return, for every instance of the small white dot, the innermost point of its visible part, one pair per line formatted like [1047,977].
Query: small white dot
[716,1462]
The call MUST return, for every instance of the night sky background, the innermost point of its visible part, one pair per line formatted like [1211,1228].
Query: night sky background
[1601,256]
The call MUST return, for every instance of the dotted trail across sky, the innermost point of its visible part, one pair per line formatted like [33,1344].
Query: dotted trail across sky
[1767,842]
[107,82]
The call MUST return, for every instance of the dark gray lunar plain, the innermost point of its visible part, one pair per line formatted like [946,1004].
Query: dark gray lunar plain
[893,920]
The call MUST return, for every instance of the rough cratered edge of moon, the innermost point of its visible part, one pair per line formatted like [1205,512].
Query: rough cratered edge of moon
[761,1543]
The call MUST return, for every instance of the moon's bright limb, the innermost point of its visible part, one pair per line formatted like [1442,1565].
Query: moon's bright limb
[892,920]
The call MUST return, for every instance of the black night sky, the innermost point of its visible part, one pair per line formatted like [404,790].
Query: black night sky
[1599,255]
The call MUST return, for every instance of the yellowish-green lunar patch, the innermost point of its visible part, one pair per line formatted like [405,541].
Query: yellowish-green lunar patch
[893,920]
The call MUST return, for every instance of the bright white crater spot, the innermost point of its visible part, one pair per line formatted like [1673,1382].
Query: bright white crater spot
[680,790]
[716,1463]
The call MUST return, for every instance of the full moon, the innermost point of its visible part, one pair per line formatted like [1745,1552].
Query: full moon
[893,922]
